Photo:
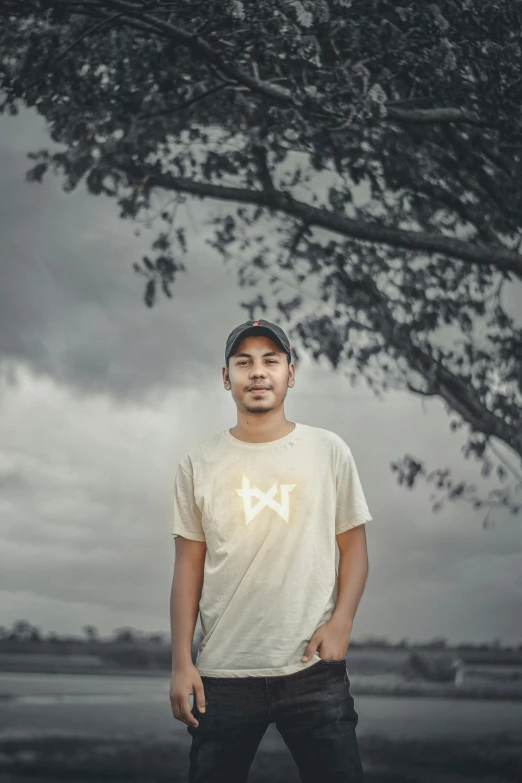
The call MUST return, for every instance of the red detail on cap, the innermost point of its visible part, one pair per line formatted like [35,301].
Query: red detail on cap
[256,323]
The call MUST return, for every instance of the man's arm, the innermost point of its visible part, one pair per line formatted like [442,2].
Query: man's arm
[353,572]
[187,585]
[333,637]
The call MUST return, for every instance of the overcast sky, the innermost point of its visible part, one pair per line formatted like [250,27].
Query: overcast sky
[100,396]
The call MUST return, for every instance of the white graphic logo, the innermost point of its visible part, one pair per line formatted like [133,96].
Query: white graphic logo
[265,499]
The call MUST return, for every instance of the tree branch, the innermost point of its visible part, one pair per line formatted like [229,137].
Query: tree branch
[90,31]
[441,381]
[207,53]
[264,172]
[434,116]
[278,201]
[184,105]
[60,56]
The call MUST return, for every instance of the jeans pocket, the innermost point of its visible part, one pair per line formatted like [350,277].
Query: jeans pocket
[332,660]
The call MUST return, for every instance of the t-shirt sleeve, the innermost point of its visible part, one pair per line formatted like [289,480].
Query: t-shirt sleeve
[187,516]
[351,507]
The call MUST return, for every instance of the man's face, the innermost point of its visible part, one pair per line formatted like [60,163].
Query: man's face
[258,361]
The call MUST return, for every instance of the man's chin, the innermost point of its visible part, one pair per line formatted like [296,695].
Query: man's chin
[259,408]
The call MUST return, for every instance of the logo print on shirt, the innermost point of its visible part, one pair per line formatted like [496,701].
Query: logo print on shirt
[265,499]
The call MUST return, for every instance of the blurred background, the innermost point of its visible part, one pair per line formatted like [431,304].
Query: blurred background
[120,281]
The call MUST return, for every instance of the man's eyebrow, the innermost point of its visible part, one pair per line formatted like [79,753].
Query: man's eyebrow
[249,355]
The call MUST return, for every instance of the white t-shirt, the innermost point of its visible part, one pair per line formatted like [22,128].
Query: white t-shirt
[269,513]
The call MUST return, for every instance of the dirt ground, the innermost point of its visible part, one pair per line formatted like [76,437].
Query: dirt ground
[74,760]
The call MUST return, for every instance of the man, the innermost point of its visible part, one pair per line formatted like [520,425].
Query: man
[258,511]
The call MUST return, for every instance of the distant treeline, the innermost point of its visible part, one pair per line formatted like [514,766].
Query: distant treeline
[23,636]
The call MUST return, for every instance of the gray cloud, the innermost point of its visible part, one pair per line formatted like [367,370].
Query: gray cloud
[70,304]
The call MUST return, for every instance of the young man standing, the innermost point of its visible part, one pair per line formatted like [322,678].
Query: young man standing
[271,550]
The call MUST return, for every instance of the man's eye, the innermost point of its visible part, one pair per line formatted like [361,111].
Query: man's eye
[272,361]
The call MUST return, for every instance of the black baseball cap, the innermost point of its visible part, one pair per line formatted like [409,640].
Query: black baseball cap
[259,327]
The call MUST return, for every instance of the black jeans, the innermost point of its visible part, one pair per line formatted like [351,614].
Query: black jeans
[313,711]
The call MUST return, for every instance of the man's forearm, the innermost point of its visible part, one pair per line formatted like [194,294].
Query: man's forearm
[353,572]
[187,584]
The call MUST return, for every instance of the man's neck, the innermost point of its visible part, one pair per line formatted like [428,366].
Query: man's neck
[265,435]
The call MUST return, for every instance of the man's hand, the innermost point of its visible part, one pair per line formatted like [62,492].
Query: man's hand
[186,680]
[333,637]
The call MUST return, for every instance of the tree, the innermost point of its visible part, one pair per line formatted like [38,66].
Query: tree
[92,634]
[22,630]
[381,141]
[156,638]
[125,634]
